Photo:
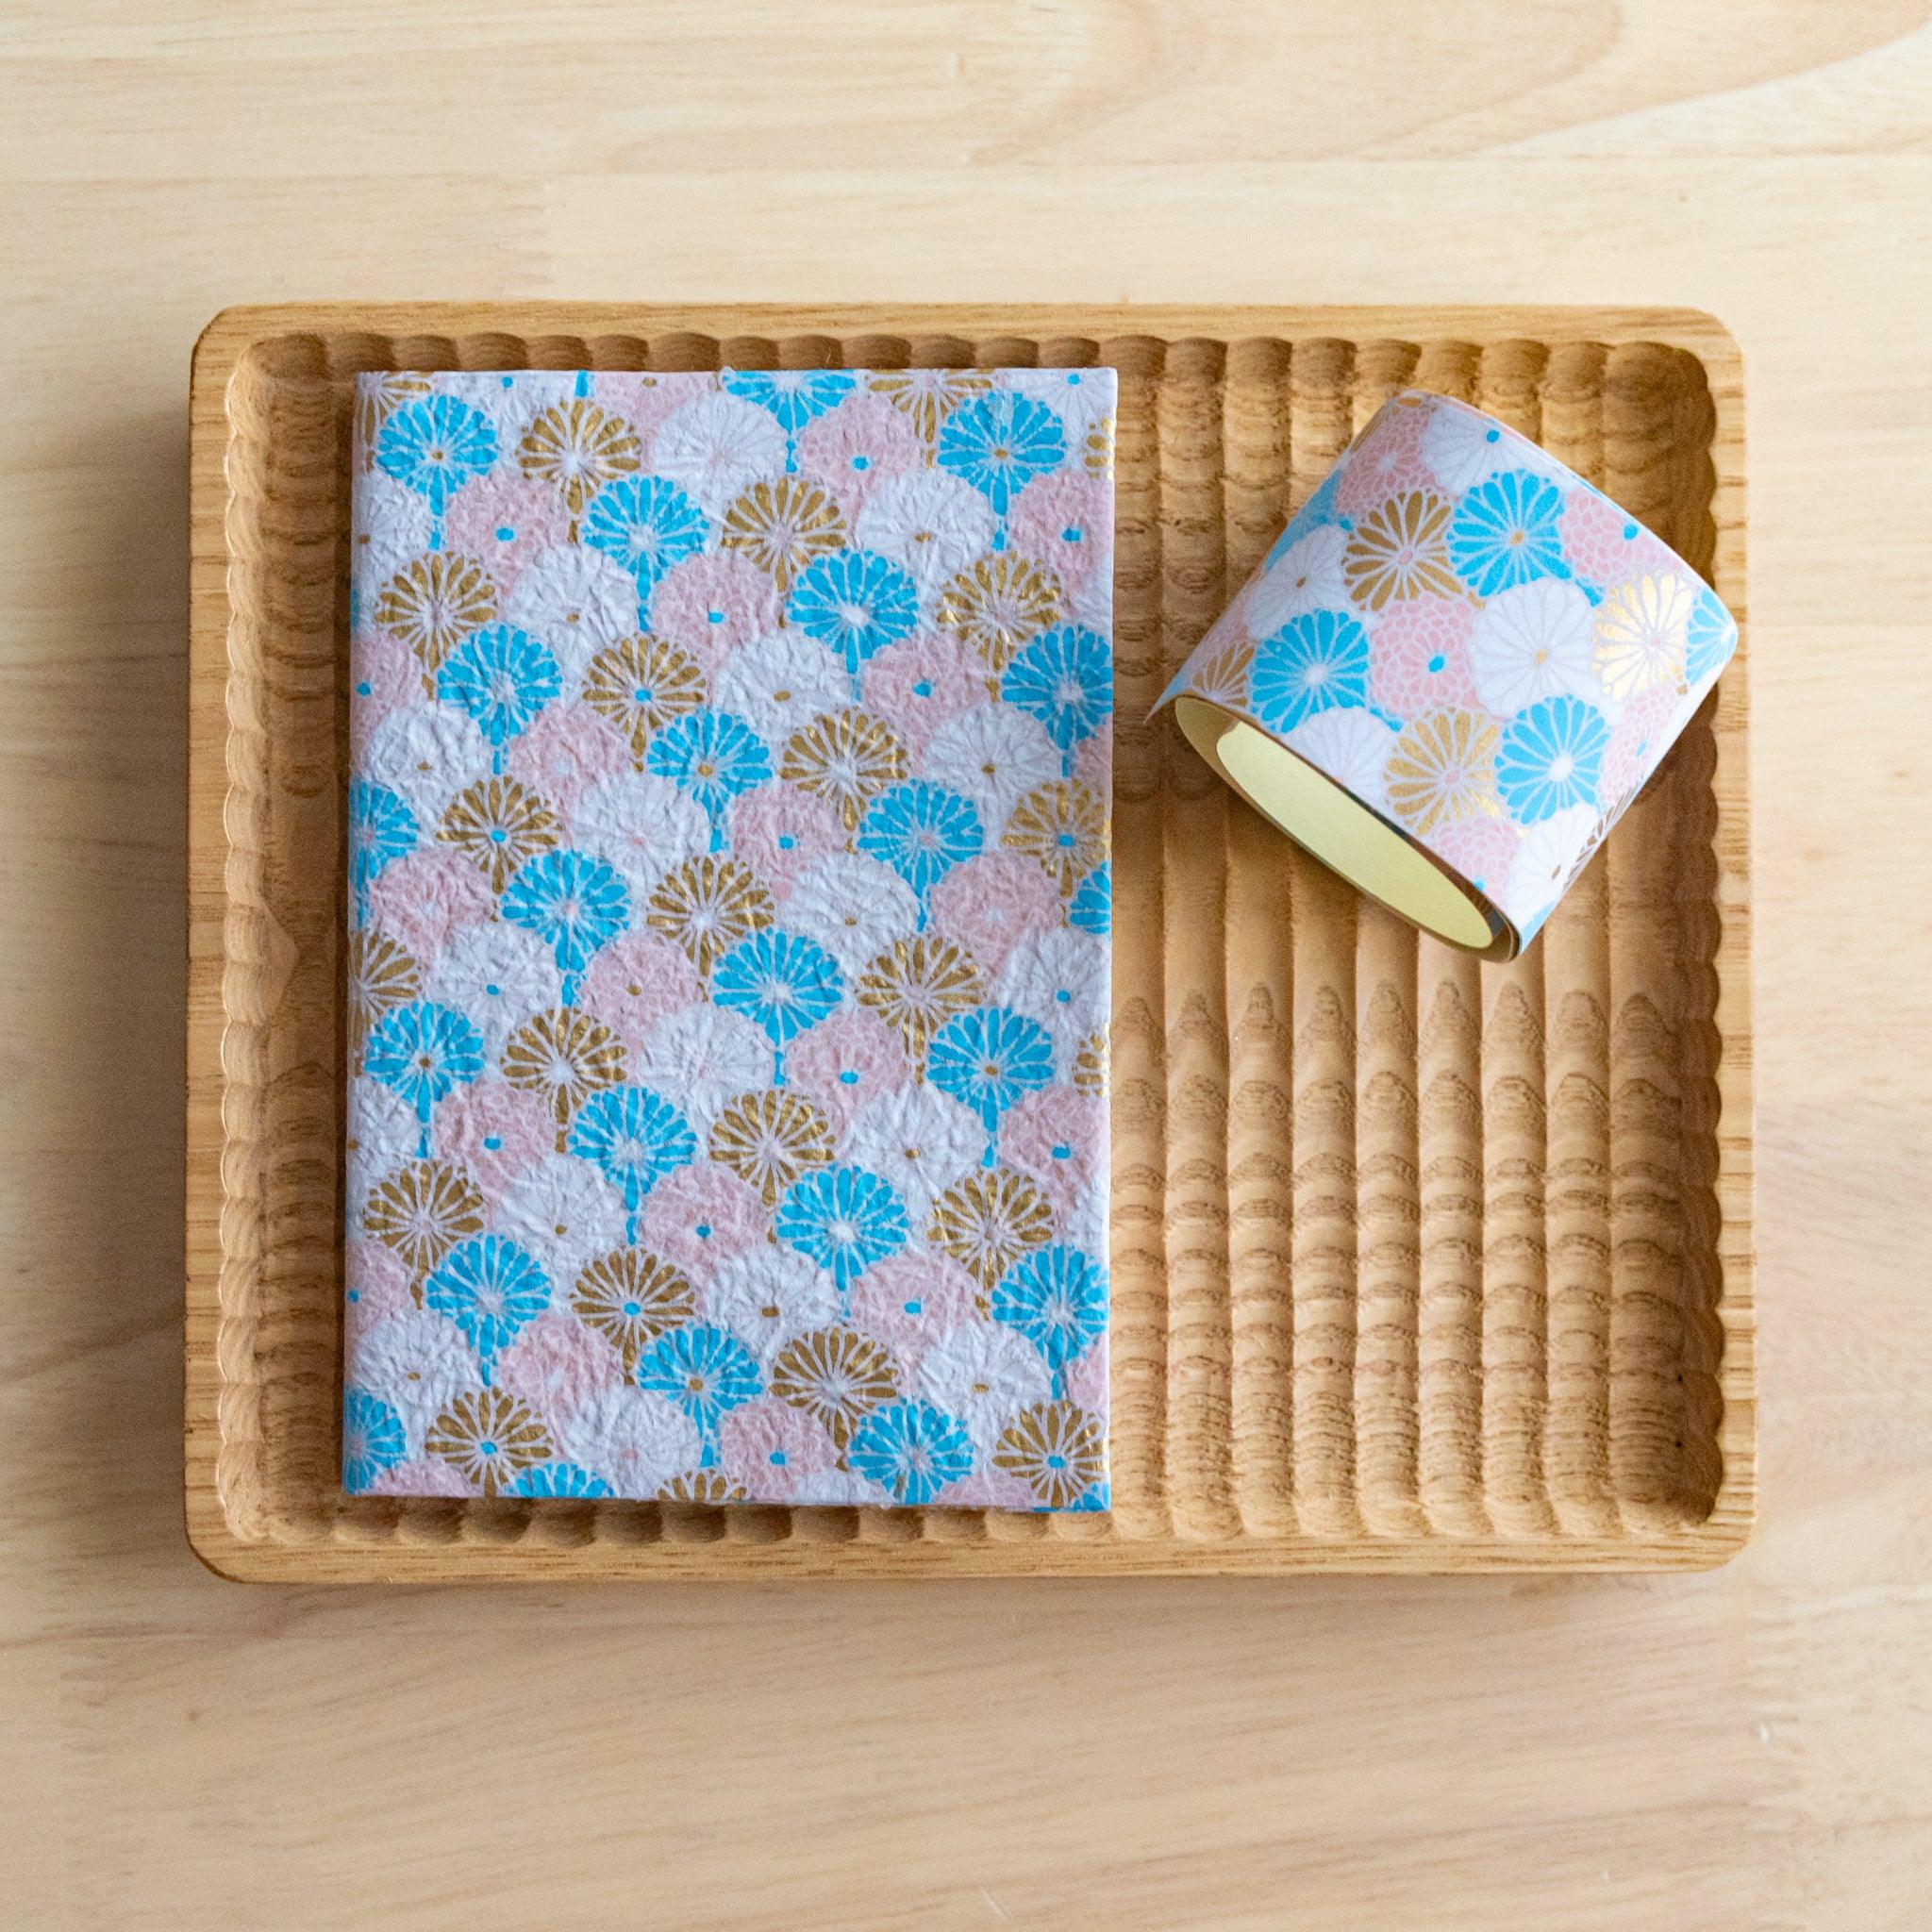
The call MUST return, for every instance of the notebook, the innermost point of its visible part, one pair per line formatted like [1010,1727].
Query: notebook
[729,905]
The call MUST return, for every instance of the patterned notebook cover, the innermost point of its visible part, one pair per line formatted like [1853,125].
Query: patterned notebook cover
[729,937]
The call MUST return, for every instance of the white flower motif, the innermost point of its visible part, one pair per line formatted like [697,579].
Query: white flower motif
[498,974]
[383,1133]
[1532,643]
[703,1058]
[417,1363]
[1061,979]
[769,1296]
[781,682]
[1090,606]
[1545,860]
[1084,1226]
[635,1440]
[576,600]
[642,825]
[920,1141]
[390,528]
[1463,448]
[427,751]
[1306,576]
[834,1489]
[715,448]
[930,522]
[993,754]
[1351,746]
[1081,398]
[565,1213]
[982,1374]
[854,906]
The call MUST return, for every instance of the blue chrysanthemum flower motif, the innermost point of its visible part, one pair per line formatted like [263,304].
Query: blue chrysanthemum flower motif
[1316,662]
[1056,1298]
[989,1059]
[1710,639]
[647,523]
[502,676]
[786,983]
[490,1288]
[855,603]
[1319,510]
[557,1479]
[1550,757]
[715,756]
[705,1370]
[637,1137]
[844,1219]
[999,443]
[922,831]
[422,1052]
[911,1450]
[1065,677]
[1092,907]
[434,447]
[794,396]
[1507,532]
[572,901]
[373,1440]
[381,828]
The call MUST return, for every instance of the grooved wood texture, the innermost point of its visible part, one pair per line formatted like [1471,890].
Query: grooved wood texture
[1418,1264]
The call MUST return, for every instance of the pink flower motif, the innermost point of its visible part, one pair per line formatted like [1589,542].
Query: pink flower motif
[425,896]
[1064,521]
[1083,1382]
[1387,461]
[637,980]
[1418,658]
[1480,849]
[388,673]
[376,1284]
[990,1488]
[917,685]
[566,752]
[1093,761]
[503,520]
[711,605]
[557,1364]
[768,1446]
[1059,1135]
[428,1475]
[908,1301]
[1637,743]
[494,1131]
[1604,544]
[846,1061]
[702,1215]
[644,398]
[781,833]
[992,903]
[855,447]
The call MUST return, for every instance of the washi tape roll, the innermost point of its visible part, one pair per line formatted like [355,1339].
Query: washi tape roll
[1453,671]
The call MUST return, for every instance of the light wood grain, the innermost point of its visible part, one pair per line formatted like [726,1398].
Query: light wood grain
[1745,1751]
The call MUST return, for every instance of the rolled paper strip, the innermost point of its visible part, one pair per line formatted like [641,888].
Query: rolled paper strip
[1453,671]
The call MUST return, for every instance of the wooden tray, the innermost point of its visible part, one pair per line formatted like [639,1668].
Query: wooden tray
[1418,1264]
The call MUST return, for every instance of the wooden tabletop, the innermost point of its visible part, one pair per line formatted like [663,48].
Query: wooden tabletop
[1748,1749]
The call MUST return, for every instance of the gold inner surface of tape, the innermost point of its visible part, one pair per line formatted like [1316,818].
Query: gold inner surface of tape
[1329,822]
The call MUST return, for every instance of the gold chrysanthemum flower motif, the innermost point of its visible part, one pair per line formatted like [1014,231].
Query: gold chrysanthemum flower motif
[375,403]
[1057,1450]
[989,1220]
[631,1297]
[847,758]
[836,1375]
[1063,827]
[1401,551]
[640,684]
[576,448]
[781,526]
[998,606]
[928,396]
[496,824]
[1222,678]
[769,1140]
[490,1437]
[1089,1064]
[702,1486]
[433,603]
[1097,452]
[1444,768]
[423,1210]
[918,986]
[382,976]
[1641,631]
[566,1057]
[706,905]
